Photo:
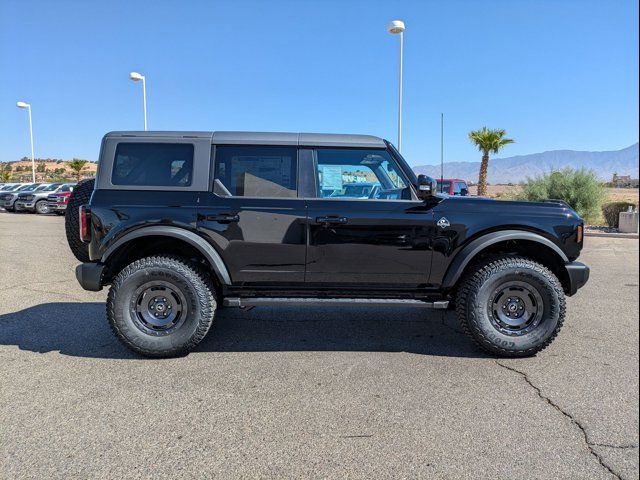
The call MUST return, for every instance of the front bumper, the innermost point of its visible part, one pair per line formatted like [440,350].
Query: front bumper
[24,205]
[89,276]
[60,207]
[578,275]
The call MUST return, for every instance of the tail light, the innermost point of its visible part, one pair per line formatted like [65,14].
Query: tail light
[580,233]
[85,223]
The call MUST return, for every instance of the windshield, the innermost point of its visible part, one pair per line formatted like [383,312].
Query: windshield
[28,188]
[444,187]
[51,187]
[403,162]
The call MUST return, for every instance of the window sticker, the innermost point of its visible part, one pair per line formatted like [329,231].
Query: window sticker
[331,177]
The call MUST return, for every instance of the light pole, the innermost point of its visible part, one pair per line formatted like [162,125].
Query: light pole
[397,27]
[136,77]
[441,149]
[33,158]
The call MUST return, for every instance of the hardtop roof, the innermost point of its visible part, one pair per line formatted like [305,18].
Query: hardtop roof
[266,138]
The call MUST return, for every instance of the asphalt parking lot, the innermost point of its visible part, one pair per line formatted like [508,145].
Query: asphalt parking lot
[284,392]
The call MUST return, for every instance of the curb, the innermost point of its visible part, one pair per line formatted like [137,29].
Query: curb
[634,236]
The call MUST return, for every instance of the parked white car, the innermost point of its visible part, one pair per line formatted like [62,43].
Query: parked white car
[8,198]
[36,201]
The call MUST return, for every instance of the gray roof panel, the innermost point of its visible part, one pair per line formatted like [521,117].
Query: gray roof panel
[154,134]
[254,138]
[302,139]
[266,138]
[339,140]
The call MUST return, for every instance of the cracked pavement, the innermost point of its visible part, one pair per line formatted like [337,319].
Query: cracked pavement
[286,392]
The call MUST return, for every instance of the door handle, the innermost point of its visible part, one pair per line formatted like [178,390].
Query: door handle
[223,218]
[331,220]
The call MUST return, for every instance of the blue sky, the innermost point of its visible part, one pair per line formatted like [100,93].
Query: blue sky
[554,73]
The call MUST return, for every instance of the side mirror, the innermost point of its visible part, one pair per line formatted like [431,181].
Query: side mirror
[426,186]
[464,192]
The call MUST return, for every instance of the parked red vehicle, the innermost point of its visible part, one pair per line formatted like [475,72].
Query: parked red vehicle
[57,202]
[453,186]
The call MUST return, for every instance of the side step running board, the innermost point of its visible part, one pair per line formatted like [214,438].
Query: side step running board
[332,302]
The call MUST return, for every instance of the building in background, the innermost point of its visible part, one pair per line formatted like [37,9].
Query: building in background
[624,181]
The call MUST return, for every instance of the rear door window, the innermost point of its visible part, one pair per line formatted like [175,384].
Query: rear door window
[153,164]
[256,171]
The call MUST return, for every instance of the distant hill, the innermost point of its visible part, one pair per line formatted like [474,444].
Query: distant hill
[47,170]
[517,169]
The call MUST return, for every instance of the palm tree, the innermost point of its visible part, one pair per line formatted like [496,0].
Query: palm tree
[77,165]
[488,141]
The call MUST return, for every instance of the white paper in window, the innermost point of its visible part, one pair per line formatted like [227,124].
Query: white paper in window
[331,177]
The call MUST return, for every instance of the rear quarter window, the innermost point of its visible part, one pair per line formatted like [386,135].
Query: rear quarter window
[153,164]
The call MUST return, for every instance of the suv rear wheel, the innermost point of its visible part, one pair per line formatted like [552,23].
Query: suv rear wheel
[161,306]
[511,306]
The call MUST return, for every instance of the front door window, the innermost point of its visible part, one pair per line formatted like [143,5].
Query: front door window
[360,174]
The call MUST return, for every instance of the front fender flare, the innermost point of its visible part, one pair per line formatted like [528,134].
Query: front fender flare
[212,256]
[467,254]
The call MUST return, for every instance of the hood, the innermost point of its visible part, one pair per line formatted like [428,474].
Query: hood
[489,205]
[8,195]
[34,194]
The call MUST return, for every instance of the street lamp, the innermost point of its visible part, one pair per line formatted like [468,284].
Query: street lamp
[136,77]
[24,105]
[397,27]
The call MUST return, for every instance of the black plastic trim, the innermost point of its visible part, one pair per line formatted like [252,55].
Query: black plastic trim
[89,276]
[191,238]
[467,254]
[578,274]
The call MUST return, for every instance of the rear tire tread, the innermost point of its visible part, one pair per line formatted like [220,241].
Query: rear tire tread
[201,282]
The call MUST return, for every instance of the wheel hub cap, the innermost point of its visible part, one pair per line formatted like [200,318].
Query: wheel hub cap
[159,308]
[515,308]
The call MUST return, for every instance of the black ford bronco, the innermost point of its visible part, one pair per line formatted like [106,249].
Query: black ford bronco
[182,223]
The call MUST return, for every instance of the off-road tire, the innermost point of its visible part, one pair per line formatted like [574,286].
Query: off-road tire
[80,196]
[188,279]
[474,294]
[40,209]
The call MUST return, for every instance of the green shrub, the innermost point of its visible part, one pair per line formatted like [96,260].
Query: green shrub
[611,212]
[579,188]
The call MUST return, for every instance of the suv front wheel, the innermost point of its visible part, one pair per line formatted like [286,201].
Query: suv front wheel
[511,306]
[161,306]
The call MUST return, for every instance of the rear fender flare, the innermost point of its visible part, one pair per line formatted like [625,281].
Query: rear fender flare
[468,253]
[212,256]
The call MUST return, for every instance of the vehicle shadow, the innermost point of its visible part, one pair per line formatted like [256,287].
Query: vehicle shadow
[81,330]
